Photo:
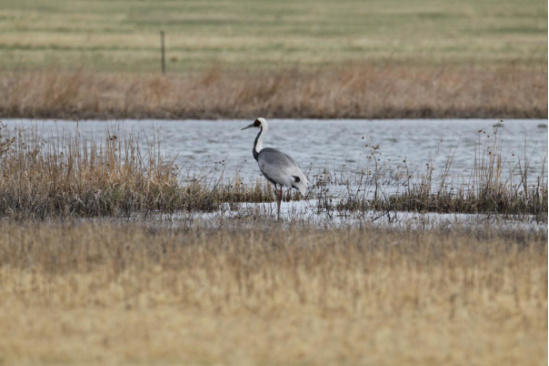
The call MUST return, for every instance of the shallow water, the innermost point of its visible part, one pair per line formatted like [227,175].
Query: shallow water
[340,146]
[308,212]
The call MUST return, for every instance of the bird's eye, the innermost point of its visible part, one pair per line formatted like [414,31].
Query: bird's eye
[257,123]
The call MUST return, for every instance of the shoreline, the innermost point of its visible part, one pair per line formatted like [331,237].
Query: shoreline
[212,116]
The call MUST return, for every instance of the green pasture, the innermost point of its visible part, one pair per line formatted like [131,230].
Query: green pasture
[116,35]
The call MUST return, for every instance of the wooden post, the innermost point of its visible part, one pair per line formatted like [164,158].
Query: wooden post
[162,52]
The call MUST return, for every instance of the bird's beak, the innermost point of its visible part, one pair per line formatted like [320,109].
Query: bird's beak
[249,126]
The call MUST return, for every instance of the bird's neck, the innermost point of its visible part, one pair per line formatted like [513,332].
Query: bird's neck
[258,144]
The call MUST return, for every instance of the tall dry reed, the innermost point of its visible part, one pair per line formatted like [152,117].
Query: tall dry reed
[76,177]
[343,92]
[497,184]
[71,176]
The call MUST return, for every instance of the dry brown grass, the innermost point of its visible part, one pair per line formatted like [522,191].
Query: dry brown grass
[343,92]
[119,177]
[79,178]
[73,177]
[117,294]
[495,185]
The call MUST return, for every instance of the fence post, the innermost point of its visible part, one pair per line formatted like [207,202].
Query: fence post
[162,52]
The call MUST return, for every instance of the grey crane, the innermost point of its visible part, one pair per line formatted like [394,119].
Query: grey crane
[277,167]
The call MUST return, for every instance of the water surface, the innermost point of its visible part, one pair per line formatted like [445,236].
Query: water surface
[344,147]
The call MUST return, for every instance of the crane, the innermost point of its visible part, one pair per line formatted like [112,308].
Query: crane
[279,168]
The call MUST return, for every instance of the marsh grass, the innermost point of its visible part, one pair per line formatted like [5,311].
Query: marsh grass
[137,292]
[345,91]
[498,184]
[71,176]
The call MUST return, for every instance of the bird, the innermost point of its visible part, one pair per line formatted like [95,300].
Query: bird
[280,169]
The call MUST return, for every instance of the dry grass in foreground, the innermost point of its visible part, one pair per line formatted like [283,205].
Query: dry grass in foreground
[395,91]
[112,294]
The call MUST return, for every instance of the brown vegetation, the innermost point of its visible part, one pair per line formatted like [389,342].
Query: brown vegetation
[495,186]
[117,178]
[343,92]
[113,294]
[77,178]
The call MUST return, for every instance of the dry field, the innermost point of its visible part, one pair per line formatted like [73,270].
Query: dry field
[341,92]
[105,293]
[241,59]
[122,36]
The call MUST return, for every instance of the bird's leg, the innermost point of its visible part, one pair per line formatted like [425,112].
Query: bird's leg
[278,202]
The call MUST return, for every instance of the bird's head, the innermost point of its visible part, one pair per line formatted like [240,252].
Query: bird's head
[258,123]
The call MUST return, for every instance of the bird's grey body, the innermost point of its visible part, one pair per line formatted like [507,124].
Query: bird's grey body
[280,168]
[277,167]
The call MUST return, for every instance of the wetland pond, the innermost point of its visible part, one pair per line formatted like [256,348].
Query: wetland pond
[344,155]
[344,148]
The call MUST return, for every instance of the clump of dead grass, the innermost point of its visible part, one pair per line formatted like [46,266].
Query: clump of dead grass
[353,91]
[76,177]
[498,184]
